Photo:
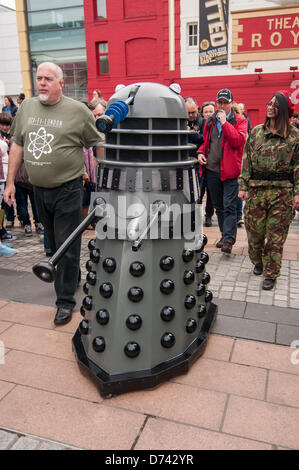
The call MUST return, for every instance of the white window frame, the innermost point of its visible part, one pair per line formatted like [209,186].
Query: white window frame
[193,35]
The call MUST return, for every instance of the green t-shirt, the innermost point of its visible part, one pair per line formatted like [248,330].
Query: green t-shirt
[53,137]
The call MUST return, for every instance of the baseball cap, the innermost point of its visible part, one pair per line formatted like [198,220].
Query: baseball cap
[225,94]
[288,97]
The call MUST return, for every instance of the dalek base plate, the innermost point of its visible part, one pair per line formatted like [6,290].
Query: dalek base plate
[110,385]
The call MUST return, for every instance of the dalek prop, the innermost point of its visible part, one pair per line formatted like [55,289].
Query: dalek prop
[148,312]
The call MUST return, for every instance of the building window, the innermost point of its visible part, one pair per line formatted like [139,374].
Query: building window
[56,34]
[192,34]
[103,58]
[101,9]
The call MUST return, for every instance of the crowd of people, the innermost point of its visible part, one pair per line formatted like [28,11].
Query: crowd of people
[60,197]
[237,165]
[64,128]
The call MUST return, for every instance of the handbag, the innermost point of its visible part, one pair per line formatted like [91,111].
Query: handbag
[22,178]
[88,188]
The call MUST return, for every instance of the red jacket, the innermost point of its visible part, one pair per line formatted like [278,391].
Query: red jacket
[234,137]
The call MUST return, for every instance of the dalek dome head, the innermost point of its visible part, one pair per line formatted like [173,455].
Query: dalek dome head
[148,123]
[152,100]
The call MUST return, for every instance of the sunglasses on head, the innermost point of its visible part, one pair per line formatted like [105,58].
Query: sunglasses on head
[207,103]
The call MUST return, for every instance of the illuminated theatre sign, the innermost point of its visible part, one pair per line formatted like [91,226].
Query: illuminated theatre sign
[268,34]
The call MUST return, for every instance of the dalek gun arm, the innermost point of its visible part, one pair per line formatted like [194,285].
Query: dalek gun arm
[46,270]
[158,207]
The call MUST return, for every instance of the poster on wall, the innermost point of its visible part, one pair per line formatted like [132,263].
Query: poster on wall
[213,32]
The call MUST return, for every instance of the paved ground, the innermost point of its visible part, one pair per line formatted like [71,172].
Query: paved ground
[242,394]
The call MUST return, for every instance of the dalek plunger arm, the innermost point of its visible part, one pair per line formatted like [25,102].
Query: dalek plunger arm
[46,270]
[116,112]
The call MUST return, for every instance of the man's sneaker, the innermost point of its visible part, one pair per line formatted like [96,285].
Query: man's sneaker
[9,223]
[240,222]
[8,237]
[227,246]
[39,228]
[219,244]
[28,231]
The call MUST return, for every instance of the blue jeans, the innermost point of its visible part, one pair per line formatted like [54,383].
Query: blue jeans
[22,195]
[224,196]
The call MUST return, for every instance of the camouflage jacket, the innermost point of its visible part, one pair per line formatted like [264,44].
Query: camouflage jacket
[265,152]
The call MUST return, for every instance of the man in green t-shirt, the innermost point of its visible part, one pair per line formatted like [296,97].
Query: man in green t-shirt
[49,133]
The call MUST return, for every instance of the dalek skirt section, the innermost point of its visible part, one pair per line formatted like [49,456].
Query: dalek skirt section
[147,310]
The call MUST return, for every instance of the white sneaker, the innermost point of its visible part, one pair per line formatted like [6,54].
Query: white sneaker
[28,230]
[39,228]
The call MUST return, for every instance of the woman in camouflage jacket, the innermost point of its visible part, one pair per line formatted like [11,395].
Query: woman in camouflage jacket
[269,183]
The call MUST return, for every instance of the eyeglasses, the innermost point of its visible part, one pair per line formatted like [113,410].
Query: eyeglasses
[271,105]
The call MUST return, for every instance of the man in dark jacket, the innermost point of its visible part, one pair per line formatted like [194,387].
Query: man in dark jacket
[196,124]
[221,152]
[242,111]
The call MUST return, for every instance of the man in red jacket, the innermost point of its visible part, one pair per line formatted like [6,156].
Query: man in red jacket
[221,156]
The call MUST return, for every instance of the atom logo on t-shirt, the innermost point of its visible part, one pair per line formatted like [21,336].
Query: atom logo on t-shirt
[40,143]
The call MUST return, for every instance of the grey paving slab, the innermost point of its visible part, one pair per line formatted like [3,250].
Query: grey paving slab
[13,440]
[284,315]
[52,446]
[232,308]
[27,288]
[25,443]
[242,328]
[286,334]
[7,439]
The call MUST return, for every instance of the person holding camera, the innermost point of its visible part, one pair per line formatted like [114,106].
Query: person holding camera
[221,153]
[196,124]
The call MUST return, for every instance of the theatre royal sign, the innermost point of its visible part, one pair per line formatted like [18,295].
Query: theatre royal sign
[267,34]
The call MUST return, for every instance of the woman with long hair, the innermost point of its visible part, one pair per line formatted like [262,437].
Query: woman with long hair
[9,106]
[269,183]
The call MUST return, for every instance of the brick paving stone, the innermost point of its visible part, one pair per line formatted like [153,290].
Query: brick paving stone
[280,303]
[251,298]
[261,421]
[69,420]
[219,347]
[238,296]
[252,293]
[261,354]
[50,374]
[4,325]
[163,435]
[283,388]
[266,301]
[39,341]
[226,377]
[177,402]
[223,294]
